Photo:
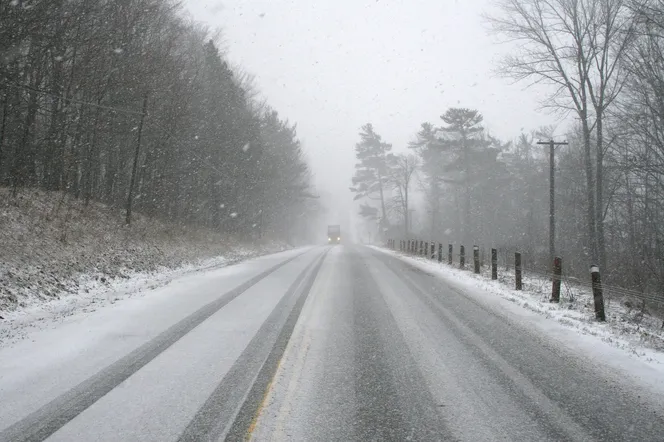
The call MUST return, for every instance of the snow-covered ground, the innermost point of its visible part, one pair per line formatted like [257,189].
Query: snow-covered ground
[54,244]
[153,367]
[637,336]
[92,292]
[59,255]
[62,351]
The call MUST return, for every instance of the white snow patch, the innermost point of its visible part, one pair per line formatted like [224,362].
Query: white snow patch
[246,147]
[234,215]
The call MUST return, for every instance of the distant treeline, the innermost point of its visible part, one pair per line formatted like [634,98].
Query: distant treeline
[74,79]
[605,61]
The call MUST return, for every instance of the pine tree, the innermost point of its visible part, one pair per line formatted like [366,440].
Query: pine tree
[372,170]
[463,141]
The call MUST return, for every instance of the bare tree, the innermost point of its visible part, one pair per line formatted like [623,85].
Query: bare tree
[576,46]
[72,78]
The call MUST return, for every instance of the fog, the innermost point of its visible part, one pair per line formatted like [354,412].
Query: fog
[267,121]
[292,194]
[333,66]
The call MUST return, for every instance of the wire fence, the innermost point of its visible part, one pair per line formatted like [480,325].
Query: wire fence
[570,285]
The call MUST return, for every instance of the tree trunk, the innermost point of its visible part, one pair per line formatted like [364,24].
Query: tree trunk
[590,190]
[88,171]
[382,200]
[3,126]
[405,212]
[599,204]
[23,172]
[632,248]
[52,156]
[134,168]
[467,225]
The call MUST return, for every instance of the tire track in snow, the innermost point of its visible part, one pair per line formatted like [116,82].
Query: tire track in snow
[231,409]
[48,419]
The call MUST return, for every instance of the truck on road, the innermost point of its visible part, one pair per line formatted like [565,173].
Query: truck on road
[333,234]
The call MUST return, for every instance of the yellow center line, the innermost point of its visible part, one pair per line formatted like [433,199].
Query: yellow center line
[259,410]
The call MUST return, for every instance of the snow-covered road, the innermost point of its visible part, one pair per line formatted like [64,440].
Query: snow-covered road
[324,343]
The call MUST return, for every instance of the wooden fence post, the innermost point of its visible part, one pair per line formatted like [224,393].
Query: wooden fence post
[450,257]
[462,257]
[421,247]
[557,272]
[426,249]
[476,259]
[598,296]
[440,252]
[494,264]
[517,270]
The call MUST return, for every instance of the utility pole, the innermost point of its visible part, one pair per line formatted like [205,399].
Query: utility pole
[433,221]
[410,220]
[552,220]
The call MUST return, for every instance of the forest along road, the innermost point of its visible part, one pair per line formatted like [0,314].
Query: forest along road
[325,343]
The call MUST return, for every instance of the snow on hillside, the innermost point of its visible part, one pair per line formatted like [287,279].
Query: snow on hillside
[58,254]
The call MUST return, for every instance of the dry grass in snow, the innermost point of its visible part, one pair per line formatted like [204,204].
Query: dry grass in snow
[53,246]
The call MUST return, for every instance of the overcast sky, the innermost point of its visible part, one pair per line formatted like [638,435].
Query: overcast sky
[334,65]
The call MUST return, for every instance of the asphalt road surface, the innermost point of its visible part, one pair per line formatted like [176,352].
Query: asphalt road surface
[340,343]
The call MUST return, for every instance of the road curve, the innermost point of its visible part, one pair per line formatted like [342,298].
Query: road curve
[331,343]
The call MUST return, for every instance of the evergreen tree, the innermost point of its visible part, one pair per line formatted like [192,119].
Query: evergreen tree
[372,171]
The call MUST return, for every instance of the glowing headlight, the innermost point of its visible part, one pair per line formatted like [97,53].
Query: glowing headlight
[339,239]
[329,239]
